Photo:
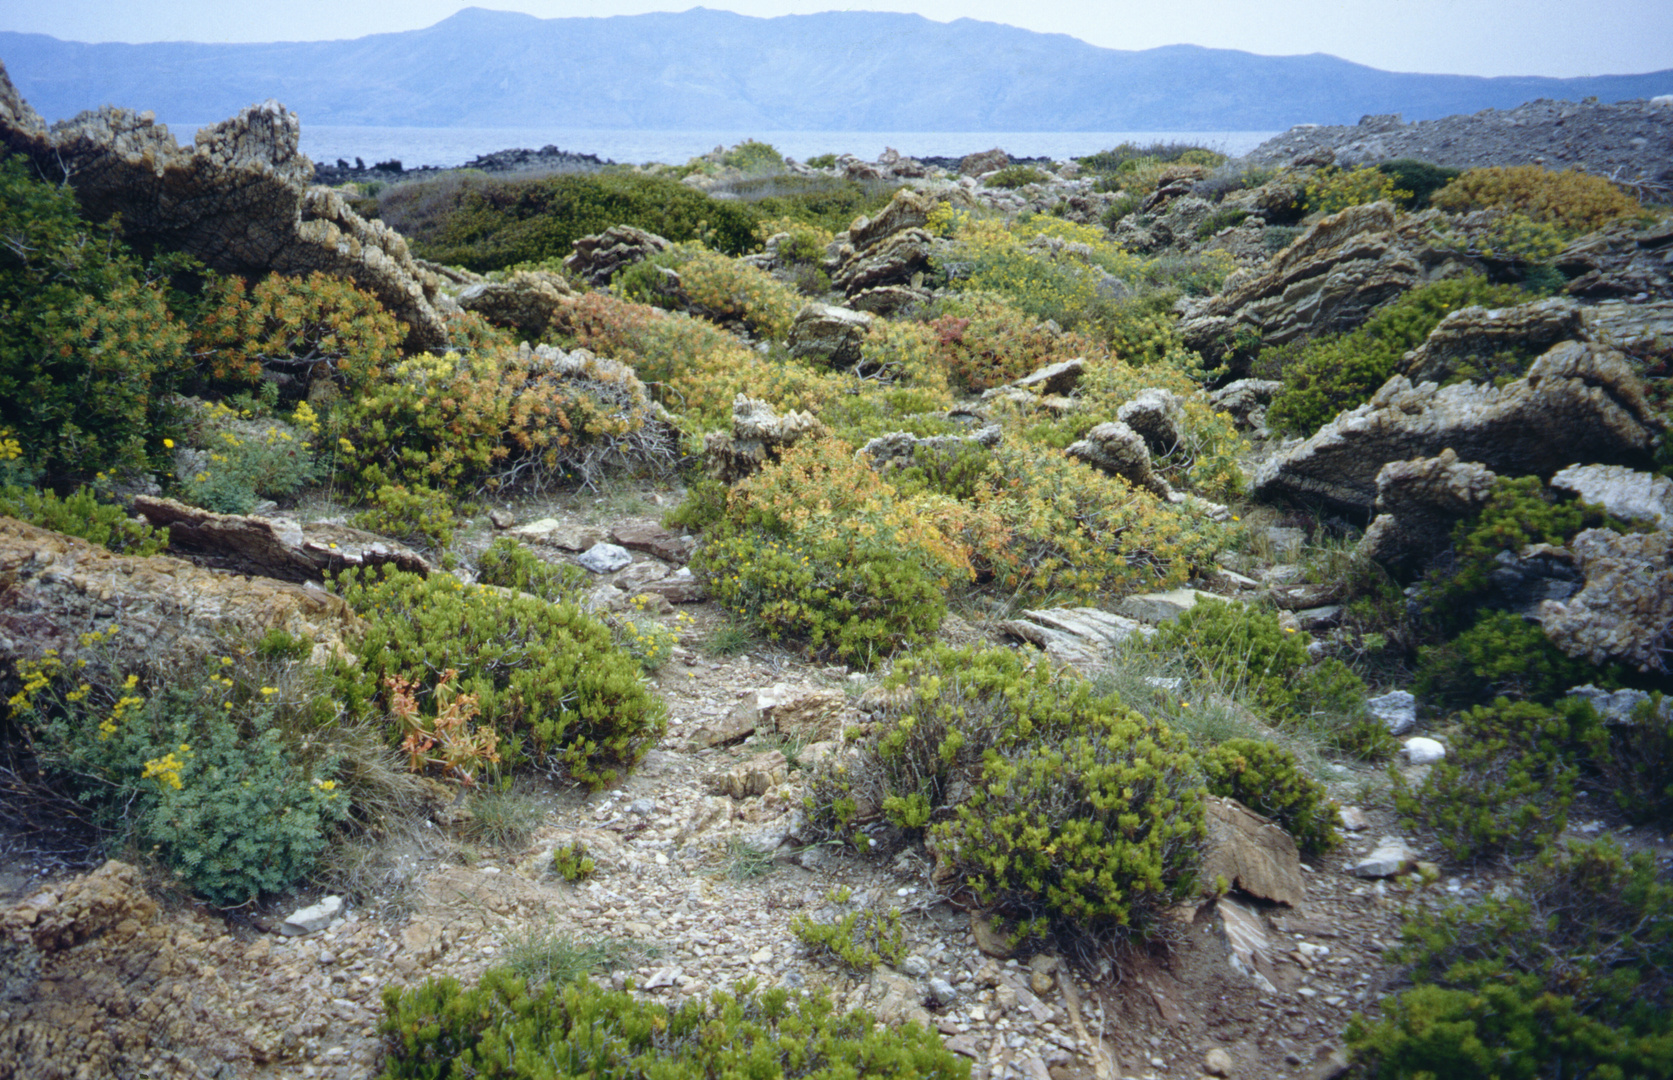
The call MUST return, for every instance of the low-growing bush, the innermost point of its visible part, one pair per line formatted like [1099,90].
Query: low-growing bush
[1058,810]
[725,290]
[1223,218]
[82,514]
[199,766]
[984,342]
[1331,189]
[1268,780]
[573,862]
[752,156]
[1635,760]
[1325,376]
[503,1027]
[1417,181]
[420,515]
[818,548]
[546,678]
[1502,655]
[1015,176]
[1507,783]
[510,565]
[1567,977]
[489,224]
[1571,201]
[243,459]
[861,938]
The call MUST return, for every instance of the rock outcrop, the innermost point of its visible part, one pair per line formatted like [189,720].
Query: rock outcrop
[1470,335]
[1626,493]
[597,258]
[53,588]
[1158,418]
[1120,451]
[1327,281]
[240,198]
[1245,400]
[1625,611]
[889,249]
[1418,502]
[828,334]
[1578,402]
[759,436]
[1620,261]
[525,302]
[901,449]
[1252,854]
[273,547]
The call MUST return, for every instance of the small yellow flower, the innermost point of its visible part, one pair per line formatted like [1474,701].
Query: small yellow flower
[267,691]
[168,444]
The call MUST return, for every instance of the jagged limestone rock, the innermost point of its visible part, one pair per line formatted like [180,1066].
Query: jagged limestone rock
[1418,502]
[1577,402]
[1620,261]
[900,449]
[1158,418]
[1120,451]
[828,334]
[240,198]
[1626,493]
[1625,611]
[1245,400]
[1475,333]
[759,435]
[524,302]
[597,258]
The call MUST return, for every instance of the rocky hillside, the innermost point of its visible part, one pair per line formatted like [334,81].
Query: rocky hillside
[1145,616]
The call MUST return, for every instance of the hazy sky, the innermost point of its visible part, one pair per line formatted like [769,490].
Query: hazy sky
[1472,37]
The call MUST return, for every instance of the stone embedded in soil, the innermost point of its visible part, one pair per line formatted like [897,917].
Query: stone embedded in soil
[1252,854]
[1389,858]
[1396,709]
[604,558]
[312,919]
[1422,751]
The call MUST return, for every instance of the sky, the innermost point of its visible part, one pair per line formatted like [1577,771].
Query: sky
[1558,38]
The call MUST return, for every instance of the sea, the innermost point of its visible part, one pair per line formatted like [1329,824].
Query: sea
[444,147]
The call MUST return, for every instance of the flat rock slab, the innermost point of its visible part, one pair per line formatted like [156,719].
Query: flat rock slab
[312,919]
[653,540]
[604,558]
[1082,637]
[1161,607]
[1252,853]
[557,534]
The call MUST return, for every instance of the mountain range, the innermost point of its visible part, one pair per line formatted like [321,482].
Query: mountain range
[714,70]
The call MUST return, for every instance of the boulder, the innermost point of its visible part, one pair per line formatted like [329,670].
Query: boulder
[907,209]
[1421,751]
[525,302]
[1625,610]
[888,299]
[274,547]
[1390,857]
[759,435]
[653,540]
[1327,281]
[899,259]
[1158,418]
[1246,401]
[603,558]
[1396,709]
[982,163]
[596,258]
[1620,261]
[1468,336]
[828,334]
[1252,853]
[901,449]
[240,199]
[1120,451]
[1059,378]
[1625,493]
[53,588]
[1418,502]
[1578,401]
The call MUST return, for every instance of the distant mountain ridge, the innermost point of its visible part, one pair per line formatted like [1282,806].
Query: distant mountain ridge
[705,69]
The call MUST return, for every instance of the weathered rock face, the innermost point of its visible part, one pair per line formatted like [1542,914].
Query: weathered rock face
[1475,333]
[1171,223]
[758,436]
[1642,331]
[1620,261]
[239,199]
[888,299]
[1050,381]
[1246,400]
[1084,638]
[1629,495]
[525,302]
[901,449]
[907,209]
[1252,853]
[1158,418]
[985,162]
[1418,502]
[1327,281]
[895,260]
[1625,611]
[53,588]
[1577,402]
[1120,451]
[274,547]
[597,258]
[829,334]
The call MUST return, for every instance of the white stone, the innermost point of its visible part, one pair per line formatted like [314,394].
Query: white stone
[1624,492]
[1397,711]
[1390,857]
[312,919]
[604,558]
[1421,751]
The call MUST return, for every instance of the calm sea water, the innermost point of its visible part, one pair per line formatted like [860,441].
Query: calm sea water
[455,146]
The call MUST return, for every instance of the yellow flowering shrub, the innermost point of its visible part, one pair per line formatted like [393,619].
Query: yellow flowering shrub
[1573,202]
[727,290]
[1332,189]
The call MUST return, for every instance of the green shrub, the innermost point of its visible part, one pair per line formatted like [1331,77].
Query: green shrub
[822,161]
[826,203]
[1328,375]
[1571,202]
[1566,979]
[754,157]
[1502,655]
[1246,650]
[572,862]
[1267,780]
[1119,208]
[1635,760]
[726,291]
[89,352]
[510,565]
[817,547]
[1223,218]
[82,514]
[199,767]
[247,460]
[489,224]
[420,515]
[1016,176]
[502,1027]
[1058,810]
[546,678]
[1507,783]
[1416,181]
[861,939]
